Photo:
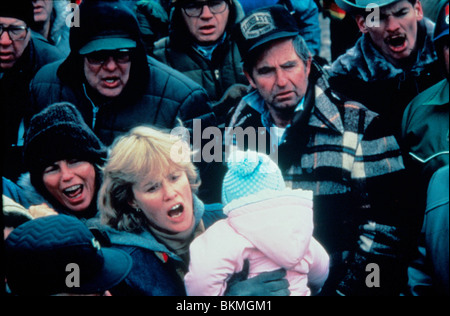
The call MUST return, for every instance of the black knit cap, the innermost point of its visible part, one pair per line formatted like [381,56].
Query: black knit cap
[59,133]
[22,10]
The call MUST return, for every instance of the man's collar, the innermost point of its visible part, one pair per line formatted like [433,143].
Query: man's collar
[207,51]
[256,102]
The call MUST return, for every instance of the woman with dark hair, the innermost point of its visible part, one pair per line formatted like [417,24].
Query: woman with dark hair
[63,157]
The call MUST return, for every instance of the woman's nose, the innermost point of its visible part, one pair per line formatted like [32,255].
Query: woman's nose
[169,191]
[66,172]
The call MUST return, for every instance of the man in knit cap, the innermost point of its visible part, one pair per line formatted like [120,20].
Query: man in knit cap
[21,56]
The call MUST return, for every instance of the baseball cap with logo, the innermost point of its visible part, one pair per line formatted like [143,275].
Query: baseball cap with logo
[262,26]
[442,23]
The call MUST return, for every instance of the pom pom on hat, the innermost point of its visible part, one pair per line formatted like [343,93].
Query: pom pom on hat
[249,173]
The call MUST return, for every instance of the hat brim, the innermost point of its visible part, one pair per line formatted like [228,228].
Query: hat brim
[117,264]
[271,38]
[112,43]
[445,33]
[355,8]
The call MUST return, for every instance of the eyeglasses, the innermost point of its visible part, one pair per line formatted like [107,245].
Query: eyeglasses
[121,56]
[195,9]
[16,33]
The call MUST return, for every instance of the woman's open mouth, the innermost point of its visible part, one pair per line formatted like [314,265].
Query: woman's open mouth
[74,191]
[176,211]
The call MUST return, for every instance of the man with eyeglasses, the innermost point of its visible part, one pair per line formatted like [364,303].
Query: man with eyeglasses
[112,81]
[199,44]
[21,56]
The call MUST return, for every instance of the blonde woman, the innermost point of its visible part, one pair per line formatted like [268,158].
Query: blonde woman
[149,209]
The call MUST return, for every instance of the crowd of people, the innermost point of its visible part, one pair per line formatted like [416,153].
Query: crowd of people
[208,148]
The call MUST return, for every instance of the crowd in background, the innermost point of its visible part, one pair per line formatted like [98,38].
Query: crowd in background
[340,186]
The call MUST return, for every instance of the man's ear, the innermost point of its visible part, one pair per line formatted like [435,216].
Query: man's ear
[308,66]
[250,79]
[361,22]
[419,11]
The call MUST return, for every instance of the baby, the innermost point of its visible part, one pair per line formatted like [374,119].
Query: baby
[268,225]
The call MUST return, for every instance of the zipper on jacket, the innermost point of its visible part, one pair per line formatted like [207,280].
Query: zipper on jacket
[95,108]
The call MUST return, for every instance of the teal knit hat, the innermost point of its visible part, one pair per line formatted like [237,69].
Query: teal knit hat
[249,173]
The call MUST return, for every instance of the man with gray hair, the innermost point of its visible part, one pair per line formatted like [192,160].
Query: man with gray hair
[327,144]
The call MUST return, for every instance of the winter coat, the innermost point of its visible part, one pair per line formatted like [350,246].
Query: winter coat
[217,74]
[425,138]
[364,75]
[15,102]
[59,31]
[429,273]
[271,230]
[154,21]
[341,151]
[425,131]
[157,95]
[154,271]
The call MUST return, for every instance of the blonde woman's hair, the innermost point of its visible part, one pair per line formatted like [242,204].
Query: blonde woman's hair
[143,152]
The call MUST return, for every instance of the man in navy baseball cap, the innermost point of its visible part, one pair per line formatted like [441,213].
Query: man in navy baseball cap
[263,26]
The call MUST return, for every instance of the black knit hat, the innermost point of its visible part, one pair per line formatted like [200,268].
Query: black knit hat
[59,133]
[42,254]
[22,10]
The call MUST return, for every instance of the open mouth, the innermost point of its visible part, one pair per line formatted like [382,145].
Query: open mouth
[176,211]
[207,29]
[396,42]
[74,191]
[6,56]
[111,82]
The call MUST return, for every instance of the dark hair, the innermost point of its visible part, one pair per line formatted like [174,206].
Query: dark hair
[62,126]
